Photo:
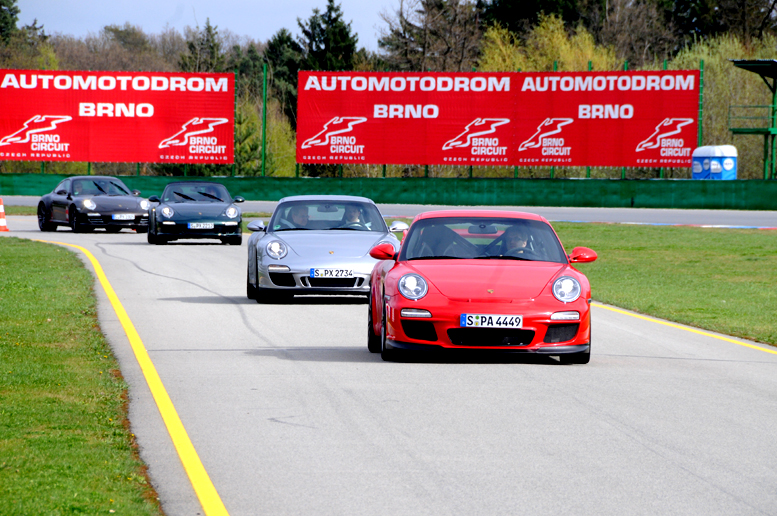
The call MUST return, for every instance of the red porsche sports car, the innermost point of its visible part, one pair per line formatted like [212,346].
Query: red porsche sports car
[486,280]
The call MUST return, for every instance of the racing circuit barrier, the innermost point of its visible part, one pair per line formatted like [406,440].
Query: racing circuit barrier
[750,194]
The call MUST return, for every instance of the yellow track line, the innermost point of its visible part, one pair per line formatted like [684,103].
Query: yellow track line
[685,328]
[206,492]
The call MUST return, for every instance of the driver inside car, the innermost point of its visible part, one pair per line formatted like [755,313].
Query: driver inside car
[352,217]
[516,239]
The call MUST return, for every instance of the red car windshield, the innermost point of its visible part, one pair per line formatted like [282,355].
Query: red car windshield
[482,238]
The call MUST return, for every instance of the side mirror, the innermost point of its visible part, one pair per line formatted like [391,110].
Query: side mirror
[384,251]
[135,192]
[582,255]
[154,198]
[398,226]
[61,192]
[238,199]
[256,225]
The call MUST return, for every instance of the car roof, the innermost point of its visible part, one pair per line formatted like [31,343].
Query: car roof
[95,177]
[480,213]
[194,182]
[331,198]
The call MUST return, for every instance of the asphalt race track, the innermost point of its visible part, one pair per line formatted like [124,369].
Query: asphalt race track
[291,415]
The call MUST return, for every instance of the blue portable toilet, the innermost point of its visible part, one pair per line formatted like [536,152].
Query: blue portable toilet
[714,162]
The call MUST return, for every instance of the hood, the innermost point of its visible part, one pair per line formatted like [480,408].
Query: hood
[472,280]
[115,202]
[341,244]
[200,209]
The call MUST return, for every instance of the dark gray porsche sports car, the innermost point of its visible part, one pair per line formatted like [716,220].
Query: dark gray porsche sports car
[88,202]
[195,209]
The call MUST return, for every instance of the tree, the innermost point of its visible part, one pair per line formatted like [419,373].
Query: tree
[9,17]
[638,32]
[327,41]
[248,64]
[441,35]
[519,16]
[284,57]
[204,50]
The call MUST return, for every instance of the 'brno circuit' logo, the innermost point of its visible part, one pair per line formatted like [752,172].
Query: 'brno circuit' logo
[542,138]
[190,134]
[330,136]
[662,138]
[32,132]
[474,135]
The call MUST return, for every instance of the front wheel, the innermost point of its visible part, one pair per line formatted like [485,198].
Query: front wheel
[576,358]
[76,226]
[44,219]
[250,289]
[373,341]
[235,240]
[387,353]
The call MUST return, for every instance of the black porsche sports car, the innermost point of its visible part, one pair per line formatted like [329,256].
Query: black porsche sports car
[195,209]
[88,202]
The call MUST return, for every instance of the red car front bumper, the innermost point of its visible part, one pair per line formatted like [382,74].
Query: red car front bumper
[539,332]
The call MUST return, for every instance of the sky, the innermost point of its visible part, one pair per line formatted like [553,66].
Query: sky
[257,19]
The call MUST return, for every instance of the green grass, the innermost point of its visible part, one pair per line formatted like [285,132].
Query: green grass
[65,445]
[20,210]
[718,279]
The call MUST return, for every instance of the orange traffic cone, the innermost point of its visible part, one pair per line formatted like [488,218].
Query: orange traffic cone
[3,226]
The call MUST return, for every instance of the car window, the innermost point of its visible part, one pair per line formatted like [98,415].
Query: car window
[327,215]
[196,193]
[482,238]
[63,185]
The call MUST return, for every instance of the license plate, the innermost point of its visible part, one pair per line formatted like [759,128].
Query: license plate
[123,216]
[491,321]
[200,225]
[331,273]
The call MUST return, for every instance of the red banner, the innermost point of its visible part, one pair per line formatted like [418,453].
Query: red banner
[617,119]
[147,117]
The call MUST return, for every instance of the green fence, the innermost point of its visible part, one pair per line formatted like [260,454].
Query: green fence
[601,193]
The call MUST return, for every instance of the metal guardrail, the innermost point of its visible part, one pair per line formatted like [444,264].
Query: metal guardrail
[751,117]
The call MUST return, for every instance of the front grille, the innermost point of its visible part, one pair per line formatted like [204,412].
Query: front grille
[490,337]
[420,330]
[332,282]
[561,332]
[282,279]
[108,221]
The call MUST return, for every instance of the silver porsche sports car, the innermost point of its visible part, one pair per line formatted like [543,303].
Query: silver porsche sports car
[316,244]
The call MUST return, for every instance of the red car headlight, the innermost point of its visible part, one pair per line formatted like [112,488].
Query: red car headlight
[566,289]
[413,286]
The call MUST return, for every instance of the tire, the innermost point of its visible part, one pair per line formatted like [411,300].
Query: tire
[386,353]
[373,341]
[576,358]
[44,219]
[250,289]
[76,226]
[151,238]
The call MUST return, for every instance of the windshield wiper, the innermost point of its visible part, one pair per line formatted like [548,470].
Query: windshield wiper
[219,199]
[503,257]
[99,188]
[291,229]
[183,195]
[437,258]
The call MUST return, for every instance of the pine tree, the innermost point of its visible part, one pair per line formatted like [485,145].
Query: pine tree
[327,41]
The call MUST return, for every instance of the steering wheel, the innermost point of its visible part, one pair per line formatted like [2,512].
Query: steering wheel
[523,252]
[355,225]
